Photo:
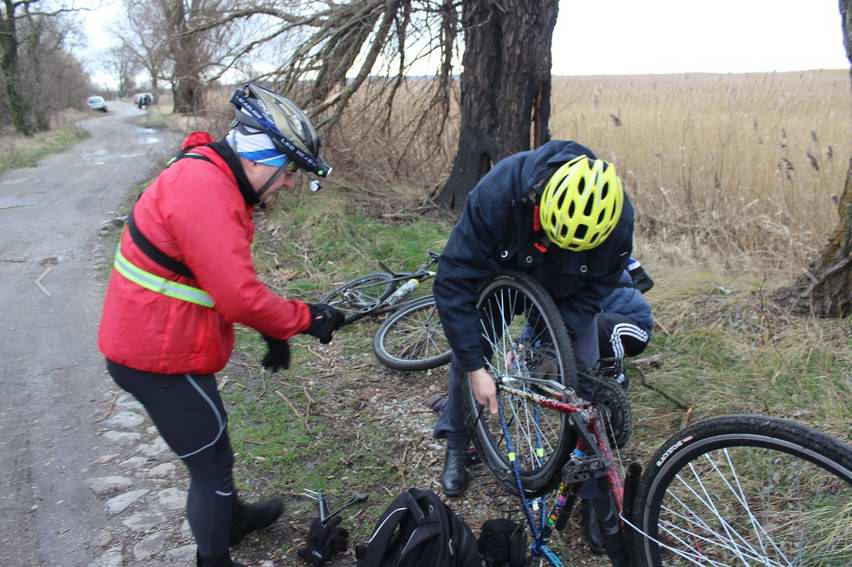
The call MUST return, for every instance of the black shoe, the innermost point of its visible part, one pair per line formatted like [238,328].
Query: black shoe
[223,560]
[592,528]
[454,478]
[246,518]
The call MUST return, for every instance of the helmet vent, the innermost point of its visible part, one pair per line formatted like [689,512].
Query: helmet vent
[581,186]
[601,216]
[570,209]
[588,209]
[561,199]
[564,232]
[581,231]
[604,190]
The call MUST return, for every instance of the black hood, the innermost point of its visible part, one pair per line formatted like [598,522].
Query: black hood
[225,151]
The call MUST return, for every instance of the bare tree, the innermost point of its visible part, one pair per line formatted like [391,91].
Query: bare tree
[173,40]
[505,87]
[826,288]
[370,46]
[40,37]
[17,104]
[122,61]
[53,79]
[142,36]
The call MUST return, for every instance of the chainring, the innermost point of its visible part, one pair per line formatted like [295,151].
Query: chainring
[612,397]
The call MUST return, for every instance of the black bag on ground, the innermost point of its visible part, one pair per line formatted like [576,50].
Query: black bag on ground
[418,530]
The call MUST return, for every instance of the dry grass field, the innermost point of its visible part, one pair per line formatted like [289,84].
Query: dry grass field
[740,163]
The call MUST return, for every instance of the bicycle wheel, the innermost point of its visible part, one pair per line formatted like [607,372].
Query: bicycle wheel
[412,338]
[359,297]
[526,337]
[746,490]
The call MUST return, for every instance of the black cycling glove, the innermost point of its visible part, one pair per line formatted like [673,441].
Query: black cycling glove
[325,320]
[641,280]
[324,541]
[277,355]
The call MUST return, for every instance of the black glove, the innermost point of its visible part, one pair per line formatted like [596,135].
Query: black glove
[325,319]
[502,543]
[641,280]
[324,541]
[278,354]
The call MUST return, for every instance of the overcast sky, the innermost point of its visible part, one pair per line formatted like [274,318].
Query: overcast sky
[651,36]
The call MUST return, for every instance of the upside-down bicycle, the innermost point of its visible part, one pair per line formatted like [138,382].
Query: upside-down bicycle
[729,490]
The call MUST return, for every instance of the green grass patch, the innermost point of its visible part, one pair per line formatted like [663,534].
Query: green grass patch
[722,353]
[312,242]
[21,151]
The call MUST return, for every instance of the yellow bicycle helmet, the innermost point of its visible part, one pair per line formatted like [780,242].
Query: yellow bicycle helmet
[581,204]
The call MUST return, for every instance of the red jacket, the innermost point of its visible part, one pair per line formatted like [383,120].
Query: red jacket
[193,212]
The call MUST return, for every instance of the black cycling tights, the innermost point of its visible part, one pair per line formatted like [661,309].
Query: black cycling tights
[189,415]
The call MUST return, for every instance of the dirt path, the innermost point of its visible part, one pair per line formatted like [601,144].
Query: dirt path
[53,388]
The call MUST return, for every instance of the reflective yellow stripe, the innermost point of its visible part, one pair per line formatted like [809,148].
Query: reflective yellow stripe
[159,284]
[539,452]
[512,457]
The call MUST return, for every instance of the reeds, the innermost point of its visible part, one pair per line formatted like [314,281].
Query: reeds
[738,164]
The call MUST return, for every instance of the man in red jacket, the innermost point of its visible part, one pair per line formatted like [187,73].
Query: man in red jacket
[184,275]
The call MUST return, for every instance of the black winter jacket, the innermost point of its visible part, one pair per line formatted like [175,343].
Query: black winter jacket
[495,233]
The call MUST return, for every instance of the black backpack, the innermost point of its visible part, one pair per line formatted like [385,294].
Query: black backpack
[418,530]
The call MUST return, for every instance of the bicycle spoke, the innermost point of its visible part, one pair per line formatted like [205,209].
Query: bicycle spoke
[747,506]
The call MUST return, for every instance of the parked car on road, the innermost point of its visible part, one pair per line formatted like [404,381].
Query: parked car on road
[97,103]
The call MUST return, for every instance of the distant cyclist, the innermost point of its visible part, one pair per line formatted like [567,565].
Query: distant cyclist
[184,275]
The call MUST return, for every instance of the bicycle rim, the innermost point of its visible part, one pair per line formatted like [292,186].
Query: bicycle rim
[412,338]
[526,336]
[748,491]
[361,296]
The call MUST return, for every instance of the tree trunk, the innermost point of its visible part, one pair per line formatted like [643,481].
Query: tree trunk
[17,104]
[826,289]
[505,87]
[186,87]
[155,89]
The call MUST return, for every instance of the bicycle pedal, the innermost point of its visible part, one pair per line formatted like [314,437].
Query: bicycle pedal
[579,469]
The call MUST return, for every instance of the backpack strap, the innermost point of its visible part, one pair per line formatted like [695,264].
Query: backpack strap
[376,547]
[433,525]
[148,247]
[154,253]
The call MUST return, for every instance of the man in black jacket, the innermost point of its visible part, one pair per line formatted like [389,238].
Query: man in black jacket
[557,213]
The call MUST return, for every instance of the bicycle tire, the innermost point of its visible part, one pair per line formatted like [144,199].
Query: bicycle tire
[371,290]
[539,472]
[754,523]
[414,327]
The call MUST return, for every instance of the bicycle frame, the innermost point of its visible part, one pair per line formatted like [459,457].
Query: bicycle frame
[422,272]
[589,424]
[394,300]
